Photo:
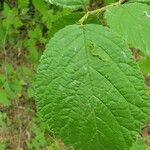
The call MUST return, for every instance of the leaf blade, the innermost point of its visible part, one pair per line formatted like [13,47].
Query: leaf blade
[83,89]
[72,4]
[132,22]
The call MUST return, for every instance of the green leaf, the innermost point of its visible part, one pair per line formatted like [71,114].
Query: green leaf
[143,1]
[2,146]
[13,88]
[89,89]
[3,98]
[22,4]
[139,145]
[2,35]
[36,34]
[2,79]
[6,10]
[72,4]
[41,6]
[8,69]
[132,21]
[30,92]
[16,87]
[30,44]
[12,19]
[109,1]
[145,65]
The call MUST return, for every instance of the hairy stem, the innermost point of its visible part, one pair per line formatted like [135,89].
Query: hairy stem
[97,11]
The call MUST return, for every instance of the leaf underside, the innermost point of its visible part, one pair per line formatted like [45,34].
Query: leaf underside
[72,4]
[132,22]
[89,89]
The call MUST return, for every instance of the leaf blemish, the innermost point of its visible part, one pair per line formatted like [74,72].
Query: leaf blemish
[146,14]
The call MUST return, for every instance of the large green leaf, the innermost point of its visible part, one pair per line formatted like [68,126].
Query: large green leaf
[132,21]
[89,89]
[139,145]
[70,3]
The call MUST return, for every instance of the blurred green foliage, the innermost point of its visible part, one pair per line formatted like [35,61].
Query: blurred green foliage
[25,28]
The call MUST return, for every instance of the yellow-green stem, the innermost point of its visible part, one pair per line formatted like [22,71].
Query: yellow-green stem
[97,11]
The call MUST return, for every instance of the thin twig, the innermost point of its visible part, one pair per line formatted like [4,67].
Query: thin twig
[98,11]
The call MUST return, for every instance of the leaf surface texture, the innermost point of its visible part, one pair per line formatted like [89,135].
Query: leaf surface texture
[90,90]
[132,22]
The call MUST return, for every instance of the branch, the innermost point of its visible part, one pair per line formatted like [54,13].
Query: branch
[97,11]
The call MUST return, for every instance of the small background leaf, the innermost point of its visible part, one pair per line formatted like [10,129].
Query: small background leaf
[73,4]
[3,98]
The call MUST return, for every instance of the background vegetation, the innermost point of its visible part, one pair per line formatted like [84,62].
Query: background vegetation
[25,28]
